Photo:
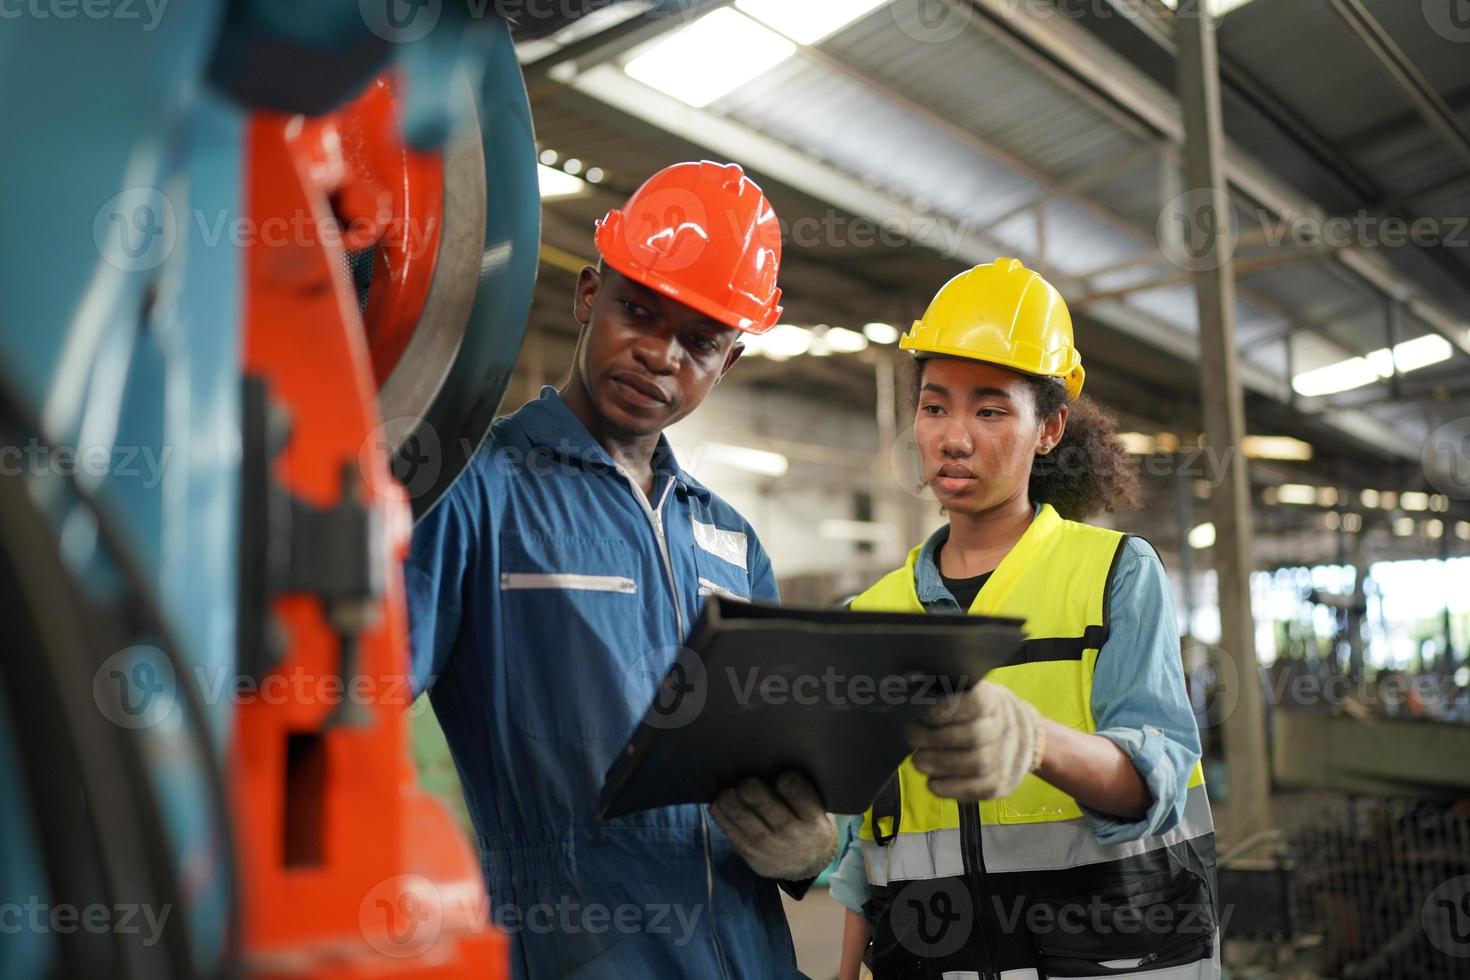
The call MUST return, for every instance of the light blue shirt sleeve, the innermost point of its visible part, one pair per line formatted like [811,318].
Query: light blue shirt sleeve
[848,883]
[1138,696]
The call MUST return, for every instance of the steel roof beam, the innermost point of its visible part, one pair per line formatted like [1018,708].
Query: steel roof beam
[1086,65]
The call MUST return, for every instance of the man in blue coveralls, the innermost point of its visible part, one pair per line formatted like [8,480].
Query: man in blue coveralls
[555,582]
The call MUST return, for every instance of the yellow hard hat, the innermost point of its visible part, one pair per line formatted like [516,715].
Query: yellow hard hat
[1004,314]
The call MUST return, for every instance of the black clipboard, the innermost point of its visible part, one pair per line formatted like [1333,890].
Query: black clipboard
[760,689]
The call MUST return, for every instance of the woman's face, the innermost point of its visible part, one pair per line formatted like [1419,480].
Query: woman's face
[978,433]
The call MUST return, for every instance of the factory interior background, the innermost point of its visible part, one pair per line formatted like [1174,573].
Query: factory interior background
[1284,345]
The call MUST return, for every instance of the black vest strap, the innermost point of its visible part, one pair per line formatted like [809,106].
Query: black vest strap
[887,805]
[1060,647]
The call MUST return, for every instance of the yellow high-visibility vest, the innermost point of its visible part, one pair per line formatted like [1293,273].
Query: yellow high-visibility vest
[1021,881]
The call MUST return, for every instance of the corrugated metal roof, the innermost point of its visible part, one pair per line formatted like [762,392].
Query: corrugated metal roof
[968,130]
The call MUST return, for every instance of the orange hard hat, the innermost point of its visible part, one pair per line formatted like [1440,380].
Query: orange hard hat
[705,235]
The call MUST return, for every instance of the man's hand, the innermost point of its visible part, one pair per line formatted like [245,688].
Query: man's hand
[978,745]
[783,832]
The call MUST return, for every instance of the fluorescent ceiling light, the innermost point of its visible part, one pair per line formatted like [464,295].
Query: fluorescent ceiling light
[1403,527]
[1421,352]
[1137,443]
[881,333]
[1342,376]
[584,26]
[1369,498]
[1434,528]
[745,458]
[530,51]
[844,341]
[711,57]
[558,183]
[840,530]
[1355,372]
[1414,500]
[1202,536]
[1462,530]
[1296,493]
[807,21]
[782,342]
[1218,8]
[1276,447]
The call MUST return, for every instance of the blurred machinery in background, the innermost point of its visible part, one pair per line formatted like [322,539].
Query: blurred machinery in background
[266,269]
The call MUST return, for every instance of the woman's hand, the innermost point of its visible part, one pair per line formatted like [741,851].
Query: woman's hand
[978,745]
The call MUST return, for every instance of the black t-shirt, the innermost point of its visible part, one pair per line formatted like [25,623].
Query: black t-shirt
[965,590]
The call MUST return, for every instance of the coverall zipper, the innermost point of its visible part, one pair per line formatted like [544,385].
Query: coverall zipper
[655,518]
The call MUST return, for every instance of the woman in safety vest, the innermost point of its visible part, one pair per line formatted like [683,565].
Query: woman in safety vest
[1052,820]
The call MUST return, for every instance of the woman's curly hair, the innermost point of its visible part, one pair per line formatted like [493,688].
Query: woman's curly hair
[1089,472]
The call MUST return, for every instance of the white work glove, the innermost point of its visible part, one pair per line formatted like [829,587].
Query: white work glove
[978,745]
[782,833]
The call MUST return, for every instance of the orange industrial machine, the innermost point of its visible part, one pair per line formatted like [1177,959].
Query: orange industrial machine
[268,269]
[346,867]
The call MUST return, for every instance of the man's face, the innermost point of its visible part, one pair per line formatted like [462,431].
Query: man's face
[978,433]
[646,360]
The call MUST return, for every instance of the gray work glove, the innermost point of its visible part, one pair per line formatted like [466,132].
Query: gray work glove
[782,832]
[978,745]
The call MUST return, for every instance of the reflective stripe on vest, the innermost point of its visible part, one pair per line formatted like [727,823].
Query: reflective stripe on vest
[1036,846]
[1203,970]
[1020,847]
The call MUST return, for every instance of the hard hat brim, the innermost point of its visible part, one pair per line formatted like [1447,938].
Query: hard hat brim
[1072,380]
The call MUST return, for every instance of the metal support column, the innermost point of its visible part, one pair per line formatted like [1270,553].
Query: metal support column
[1447,653]
[1184,512]
[1224,417]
